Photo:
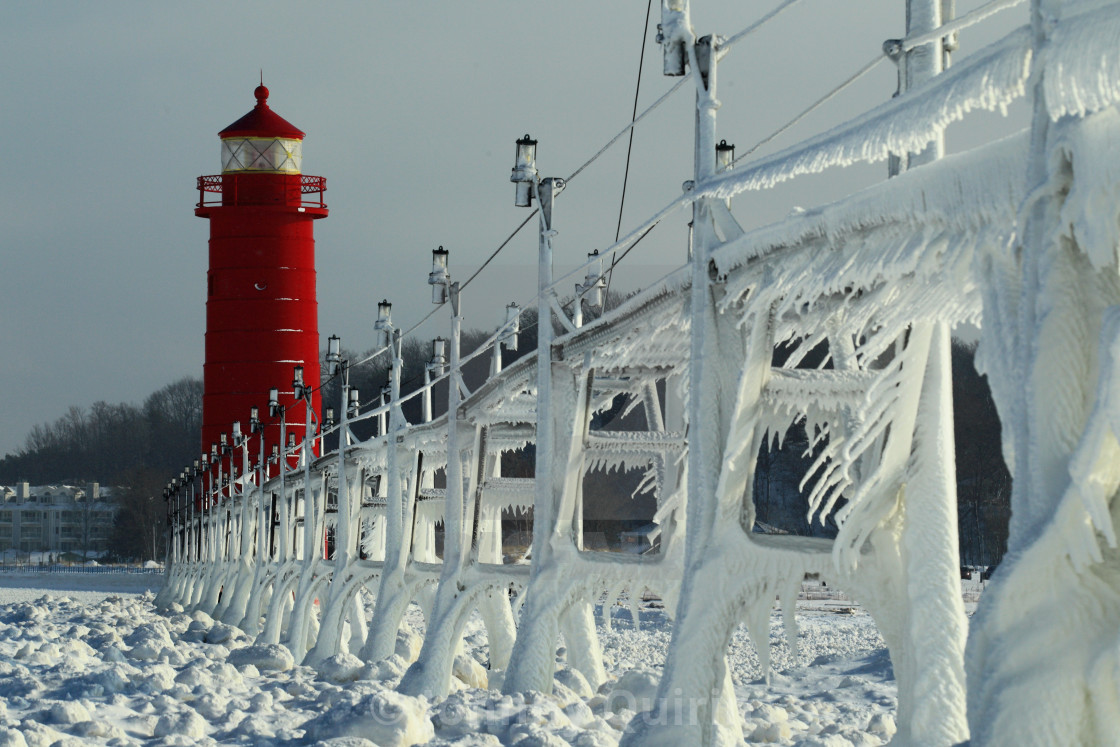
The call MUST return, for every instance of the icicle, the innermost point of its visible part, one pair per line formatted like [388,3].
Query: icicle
[614,595]
[1083,64]
[605,611]
[631,404]
[635,606]
[758,626]
[791,587]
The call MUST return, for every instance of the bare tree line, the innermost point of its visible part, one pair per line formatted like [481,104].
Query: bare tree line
[134,449]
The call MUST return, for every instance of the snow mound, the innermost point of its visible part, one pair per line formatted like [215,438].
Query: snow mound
[263,656]
[11,738]
[392,668]
[68,713]
[386,718]
[98,729]
[340,668]
[883,725]
[222,633]
[187,723]
[408,645]
[574,680]
[457,716]
[148,640]
[469,672]
[634,691]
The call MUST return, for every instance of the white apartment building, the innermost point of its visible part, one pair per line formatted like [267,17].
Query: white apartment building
[55,518]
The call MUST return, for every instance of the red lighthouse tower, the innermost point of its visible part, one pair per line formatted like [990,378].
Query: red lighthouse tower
[261,313]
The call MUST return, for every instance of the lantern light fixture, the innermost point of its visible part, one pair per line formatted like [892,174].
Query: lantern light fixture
[439,278]
[438,364]
[354,405]
[328,419]
[237,435]
[674,27]
[593,285]
[291,440]
[298,387]
[273,402]
[524,174]
[334,355]
[384,323]
[512,326]
[725,156]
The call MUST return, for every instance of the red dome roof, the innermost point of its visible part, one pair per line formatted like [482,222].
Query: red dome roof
[262,122]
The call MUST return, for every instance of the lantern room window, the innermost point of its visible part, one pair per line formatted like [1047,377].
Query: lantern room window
[274,155]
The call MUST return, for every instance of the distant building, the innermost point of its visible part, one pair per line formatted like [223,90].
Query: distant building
[640,541]
[55,518]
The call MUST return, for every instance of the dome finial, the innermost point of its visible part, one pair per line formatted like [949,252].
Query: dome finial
[261,92]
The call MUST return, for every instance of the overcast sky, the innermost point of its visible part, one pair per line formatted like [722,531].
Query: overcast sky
[110,110]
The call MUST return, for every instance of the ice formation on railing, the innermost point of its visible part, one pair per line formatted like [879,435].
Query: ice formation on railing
[1083,62]
[988,80]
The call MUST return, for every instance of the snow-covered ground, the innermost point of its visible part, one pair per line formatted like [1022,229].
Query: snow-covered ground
[85,659]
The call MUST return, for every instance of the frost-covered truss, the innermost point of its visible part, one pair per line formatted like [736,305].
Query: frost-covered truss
[833,323]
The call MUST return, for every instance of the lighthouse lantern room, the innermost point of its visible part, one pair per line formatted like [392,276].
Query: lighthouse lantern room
[261,311]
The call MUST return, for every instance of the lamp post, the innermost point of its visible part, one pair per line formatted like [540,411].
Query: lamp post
[224,512]
[245,609]
[246,521]
[336,366]
[188,510]
[197,505]
[215,476]
[546,190]
[173,519]
[173,523]
[172,500]
[304,392]
[390,336]
[273,549]
[349,407]
[444,290]
[167,495]
[256,427]
[275,409]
